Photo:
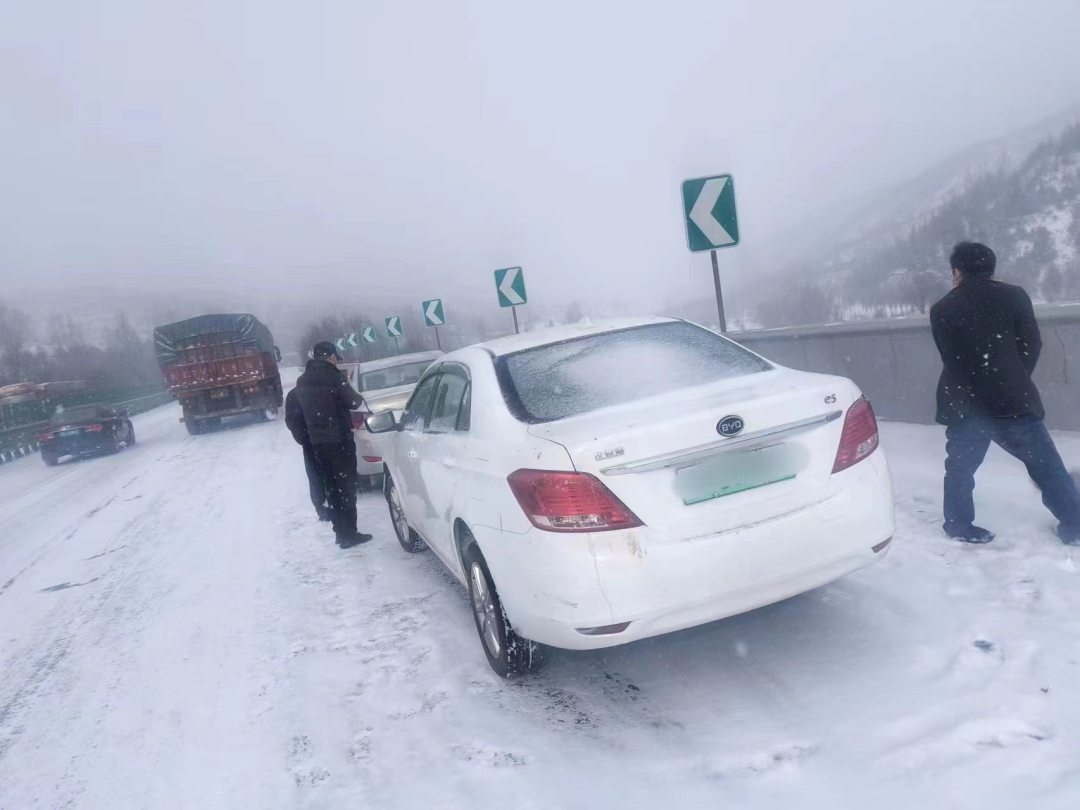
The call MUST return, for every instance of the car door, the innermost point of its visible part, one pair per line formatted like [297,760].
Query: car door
[407,447]
[441,447]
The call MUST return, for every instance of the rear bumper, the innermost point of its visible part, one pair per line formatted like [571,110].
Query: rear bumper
[258,407]
[85,445]
[553,585]
[371,446]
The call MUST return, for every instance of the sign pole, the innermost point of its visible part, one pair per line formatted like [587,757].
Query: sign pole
[397,348]
[438,343]
[516,330]
[719,294]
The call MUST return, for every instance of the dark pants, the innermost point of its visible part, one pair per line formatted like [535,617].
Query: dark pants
[337,467]
[316,485]
[1024,437]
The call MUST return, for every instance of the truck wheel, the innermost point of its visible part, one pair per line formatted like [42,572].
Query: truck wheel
[194,426]
[508,653]
[268,414]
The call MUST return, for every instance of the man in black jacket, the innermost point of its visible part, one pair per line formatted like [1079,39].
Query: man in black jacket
[989,342]
[294,421]
[326,398]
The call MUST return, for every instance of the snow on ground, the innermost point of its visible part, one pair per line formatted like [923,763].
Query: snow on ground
[176,631]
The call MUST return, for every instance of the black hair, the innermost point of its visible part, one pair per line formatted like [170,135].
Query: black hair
[973,260]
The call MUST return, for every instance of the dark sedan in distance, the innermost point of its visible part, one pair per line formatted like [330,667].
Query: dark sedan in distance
[84,430]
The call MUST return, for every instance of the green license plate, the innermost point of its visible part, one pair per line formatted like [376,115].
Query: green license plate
[734,472]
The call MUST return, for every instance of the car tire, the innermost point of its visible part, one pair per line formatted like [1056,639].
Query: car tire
[49,459]
[130,441]
[508,654]
[409,539]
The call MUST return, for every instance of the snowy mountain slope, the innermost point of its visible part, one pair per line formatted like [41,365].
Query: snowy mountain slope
[1027,208]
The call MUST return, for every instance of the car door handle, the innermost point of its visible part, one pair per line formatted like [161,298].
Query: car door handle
[412,455]
[449,463]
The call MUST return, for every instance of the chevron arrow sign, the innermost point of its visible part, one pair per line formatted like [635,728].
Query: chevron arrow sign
[709,213]
[433,312]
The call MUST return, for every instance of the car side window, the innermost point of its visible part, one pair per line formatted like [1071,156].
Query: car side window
[448,401]
[419,407]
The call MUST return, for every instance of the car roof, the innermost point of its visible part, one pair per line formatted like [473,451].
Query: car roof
[399,360]
[557,334]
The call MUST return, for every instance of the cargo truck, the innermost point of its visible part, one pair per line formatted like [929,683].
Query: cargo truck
[218,366]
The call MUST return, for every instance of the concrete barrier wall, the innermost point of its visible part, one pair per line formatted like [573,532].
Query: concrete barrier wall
[897,366]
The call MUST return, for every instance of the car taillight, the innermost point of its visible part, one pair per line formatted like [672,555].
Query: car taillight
[95,428]
[373,459]
[860,436]
[46,437]
[569,502]
[358,418]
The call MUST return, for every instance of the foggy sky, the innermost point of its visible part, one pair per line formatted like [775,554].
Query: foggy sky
[322,151]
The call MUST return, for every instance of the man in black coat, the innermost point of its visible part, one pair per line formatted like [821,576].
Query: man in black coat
[294,421]
[326,398]
[989,342]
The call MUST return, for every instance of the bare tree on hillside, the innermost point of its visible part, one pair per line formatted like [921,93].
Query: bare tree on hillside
[15,336]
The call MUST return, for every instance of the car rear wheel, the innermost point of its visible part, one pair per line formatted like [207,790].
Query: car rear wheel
[409,539]
[508,653]
[131,435]
[51,459]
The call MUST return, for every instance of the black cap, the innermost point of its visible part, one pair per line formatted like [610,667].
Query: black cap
[326,349]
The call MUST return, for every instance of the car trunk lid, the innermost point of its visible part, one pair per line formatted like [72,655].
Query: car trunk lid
[666,459]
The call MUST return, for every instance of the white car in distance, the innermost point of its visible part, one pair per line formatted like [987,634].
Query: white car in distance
[596,484]
[385,385]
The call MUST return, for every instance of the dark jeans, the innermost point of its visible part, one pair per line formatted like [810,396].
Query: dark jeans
[337,467]
[316,485]
[1024,437]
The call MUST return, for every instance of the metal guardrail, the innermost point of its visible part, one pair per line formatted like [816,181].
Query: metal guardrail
[23,440]
[897,365]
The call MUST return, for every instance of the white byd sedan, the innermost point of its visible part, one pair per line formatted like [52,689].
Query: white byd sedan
[602,483]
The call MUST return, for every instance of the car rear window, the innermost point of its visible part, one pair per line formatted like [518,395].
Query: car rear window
[585,374]
[78,413]
[393,377]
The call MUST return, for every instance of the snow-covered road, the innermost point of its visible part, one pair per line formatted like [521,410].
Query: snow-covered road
[176,631]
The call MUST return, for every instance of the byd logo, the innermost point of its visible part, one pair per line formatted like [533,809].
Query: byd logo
[730,426]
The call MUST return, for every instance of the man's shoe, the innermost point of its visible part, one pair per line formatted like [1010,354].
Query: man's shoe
[968,534]
[353,539]
[1070,535]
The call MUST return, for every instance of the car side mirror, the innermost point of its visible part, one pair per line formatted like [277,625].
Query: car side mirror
[382,422]
[123,412]
[277,354]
